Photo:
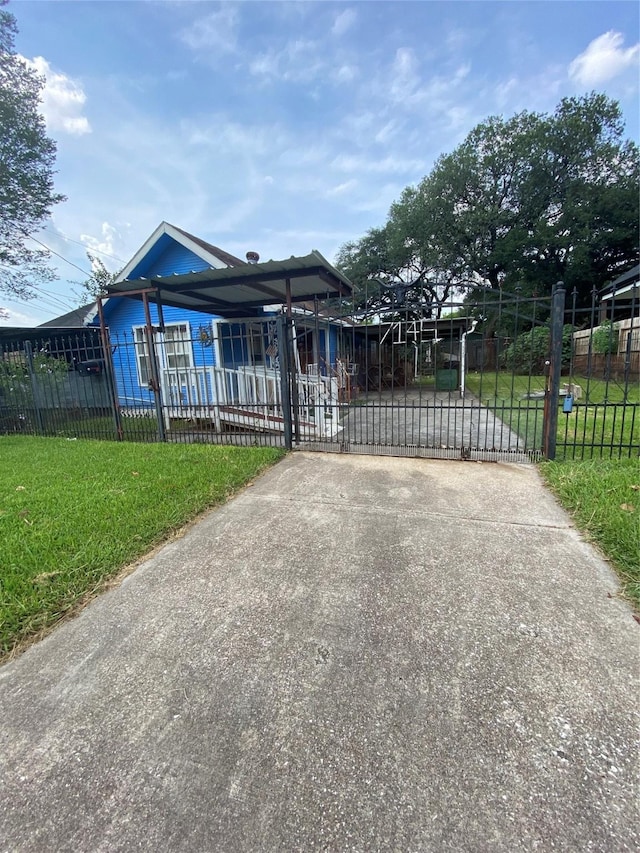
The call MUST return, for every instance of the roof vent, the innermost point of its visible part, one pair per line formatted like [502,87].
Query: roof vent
[252,257]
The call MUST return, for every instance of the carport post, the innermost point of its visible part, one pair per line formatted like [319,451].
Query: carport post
[155,373]
[295,400]
[550,427]
[285,388]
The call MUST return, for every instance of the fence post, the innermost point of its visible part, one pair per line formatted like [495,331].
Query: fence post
[155,372]
[107,357]
[285,387]
[28,351]
[555,367]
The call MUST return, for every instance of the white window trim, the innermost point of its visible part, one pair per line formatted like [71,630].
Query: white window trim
[160,348]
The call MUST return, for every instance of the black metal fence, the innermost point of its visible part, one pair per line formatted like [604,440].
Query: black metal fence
[601,411]
[496,377]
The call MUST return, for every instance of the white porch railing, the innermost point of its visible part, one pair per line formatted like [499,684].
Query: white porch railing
[250,396]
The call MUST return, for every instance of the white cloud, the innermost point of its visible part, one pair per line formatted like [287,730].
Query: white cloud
[404,85]
[604,59]
[405,81]
[341,189]
[218,134]
[298,61]
[343,22]
[345,74]
[216,31]
[103,244]
[62,100]
[375,165]
[9,317]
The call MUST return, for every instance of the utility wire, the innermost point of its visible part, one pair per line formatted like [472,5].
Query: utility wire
[58,301]
[58,255]
[55,297]
[84,245]
[47,297]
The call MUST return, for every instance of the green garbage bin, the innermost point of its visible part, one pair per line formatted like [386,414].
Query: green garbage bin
[447,379]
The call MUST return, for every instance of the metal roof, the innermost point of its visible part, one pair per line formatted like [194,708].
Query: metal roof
[233,291]
[622,284]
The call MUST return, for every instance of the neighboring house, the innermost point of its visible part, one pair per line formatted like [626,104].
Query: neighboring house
[49,368]
[219,362]
[75,320]
[620,304]
[620,299]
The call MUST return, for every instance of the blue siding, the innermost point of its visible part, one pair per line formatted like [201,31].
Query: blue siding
[124,314]
[166,257]
[177,259]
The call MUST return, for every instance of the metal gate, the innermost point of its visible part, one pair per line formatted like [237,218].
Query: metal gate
[501,377]
[472,383]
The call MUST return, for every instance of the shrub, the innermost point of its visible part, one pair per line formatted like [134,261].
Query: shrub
[529,351]
[605,339]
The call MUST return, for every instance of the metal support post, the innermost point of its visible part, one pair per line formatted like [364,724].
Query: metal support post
[554,369]
[111,379]
[285,373]
[155,373]
[28,351]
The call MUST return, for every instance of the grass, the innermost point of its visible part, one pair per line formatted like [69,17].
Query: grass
[505,386]
[73,513]
[71,424]
[603,496]
[602,423]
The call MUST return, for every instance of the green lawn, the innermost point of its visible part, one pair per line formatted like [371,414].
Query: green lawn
[593,429]
[603,496]
[69,424]
[72,513]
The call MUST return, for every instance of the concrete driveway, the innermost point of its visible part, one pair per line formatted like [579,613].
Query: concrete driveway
[356,653]
[437,419]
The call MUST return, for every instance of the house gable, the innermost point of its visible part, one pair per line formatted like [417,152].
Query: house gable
[170,250]
[168,258]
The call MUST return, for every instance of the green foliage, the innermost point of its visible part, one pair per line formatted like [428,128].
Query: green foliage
[605,420]
[27,157]
[522,202]
[529,351]
[605,338]
[391,276]
[16,379]
[75,512]
[98,282]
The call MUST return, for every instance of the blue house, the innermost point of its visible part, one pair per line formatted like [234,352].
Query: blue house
[214,351]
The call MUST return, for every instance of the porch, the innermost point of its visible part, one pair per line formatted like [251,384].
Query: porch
[249,397]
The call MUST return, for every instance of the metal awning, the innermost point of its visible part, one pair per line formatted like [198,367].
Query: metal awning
[235,291]
[629,292]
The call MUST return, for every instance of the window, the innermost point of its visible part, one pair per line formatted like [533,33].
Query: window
[177,346]
[142,355]
[173,348]
[255,344]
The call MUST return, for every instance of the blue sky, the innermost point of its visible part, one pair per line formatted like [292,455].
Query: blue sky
[285,127]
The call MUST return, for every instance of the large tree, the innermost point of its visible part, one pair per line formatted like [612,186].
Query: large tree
[27,157]
[520,204]
[391,275]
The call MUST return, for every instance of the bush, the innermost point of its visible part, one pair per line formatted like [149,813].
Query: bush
[529,351]
[605,339]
